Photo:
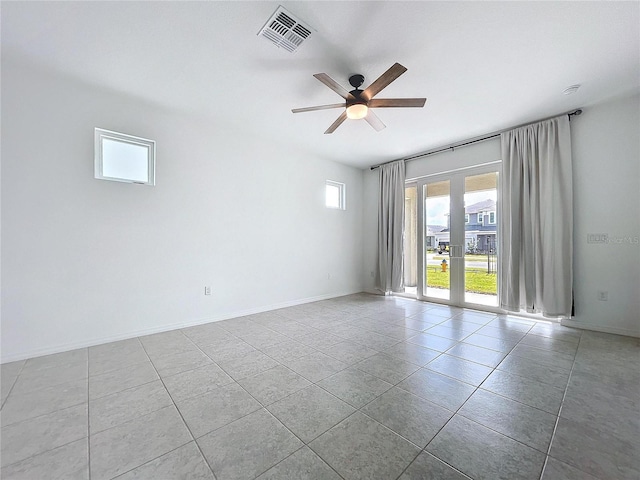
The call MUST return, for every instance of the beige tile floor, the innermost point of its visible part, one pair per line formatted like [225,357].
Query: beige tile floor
[358,387]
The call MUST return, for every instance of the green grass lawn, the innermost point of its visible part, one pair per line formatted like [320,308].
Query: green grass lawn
[477,280]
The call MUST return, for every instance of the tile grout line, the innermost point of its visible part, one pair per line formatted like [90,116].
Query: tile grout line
[88,416]
[345,419]
[45,451]
[124,390]
[139,416]
[564,396]
[262,406]
[493,370]
[440,429]
[515,374]
[235,381]
[24,362]
[423,451]
[456,413]
[528,378]
[193,439]
[306,444]
[293,453]
[522,403]
[45,414]
[557,416]
[348,365]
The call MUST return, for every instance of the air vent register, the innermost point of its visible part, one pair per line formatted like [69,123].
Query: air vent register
[285,31]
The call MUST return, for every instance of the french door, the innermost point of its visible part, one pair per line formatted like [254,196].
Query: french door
[451,231]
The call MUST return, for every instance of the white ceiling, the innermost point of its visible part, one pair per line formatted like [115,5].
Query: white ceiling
[483,66]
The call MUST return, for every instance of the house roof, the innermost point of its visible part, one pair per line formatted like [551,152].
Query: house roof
[433,229]
[483,206]
[483,66]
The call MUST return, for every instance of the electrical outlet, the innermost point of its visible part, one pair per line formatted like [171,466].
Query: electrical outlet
[603,295]
[207,290]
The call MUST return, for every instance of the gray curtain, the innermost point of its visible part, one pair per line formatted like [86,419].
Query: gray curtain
[536,222]
[390,227]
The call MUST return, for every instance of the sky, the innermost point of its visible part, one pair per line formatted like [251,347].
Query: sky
[438,207]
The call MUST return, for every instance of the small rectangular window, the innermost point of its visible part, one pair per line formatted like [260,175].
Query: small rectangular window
[466,218]
[124,158]
[480,217]
[335,195]
[492,218]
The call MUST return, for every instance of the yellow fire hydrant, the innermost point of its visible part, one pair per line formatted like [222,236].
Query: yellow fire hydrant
[444,265]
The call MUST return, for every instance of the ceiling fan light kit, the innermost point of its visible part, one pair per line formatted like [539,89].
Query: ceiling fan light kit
[358,103]
[356,111]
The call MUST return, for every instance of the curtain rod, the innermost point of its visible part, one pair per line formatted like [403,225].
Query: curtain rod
[470,142]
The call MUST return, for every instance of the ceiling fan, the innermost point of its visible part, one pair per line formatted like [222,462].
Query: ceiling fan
[358,103]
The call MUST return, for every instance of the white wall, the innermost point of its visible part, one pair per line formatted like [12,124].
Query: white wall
[606,176]
[606,164]
[85,261]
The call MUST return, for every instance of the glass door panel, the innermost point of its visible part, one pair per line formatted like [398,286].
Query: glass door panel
[451,230]
[437,238]
[480,232]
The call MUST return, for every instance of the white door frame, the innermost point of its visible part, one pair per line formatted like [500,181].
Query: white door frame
[457,232]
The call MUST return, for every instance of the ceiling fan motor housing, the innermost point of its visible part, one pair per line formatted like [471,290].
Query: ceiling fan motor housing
[358,98]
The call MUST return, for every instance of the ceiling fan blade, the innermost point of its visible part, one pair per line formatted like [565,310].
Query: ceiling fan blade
[396,102]
[383,80]
[319,107]
[373,120]
[333,85]
[337,123]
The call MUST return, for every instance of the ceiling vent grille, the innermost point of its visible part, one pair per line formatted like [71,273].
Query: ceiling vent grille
[285,30]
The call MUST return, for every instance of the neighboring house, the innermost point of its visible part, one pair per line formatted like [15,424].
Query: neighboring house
[431,238]
[480,221]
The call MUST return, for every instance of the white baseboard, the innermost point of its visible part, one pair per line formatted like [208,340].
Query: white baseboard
[241,313]
[601,328]
[165,328]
